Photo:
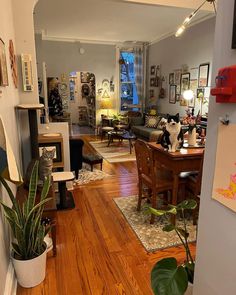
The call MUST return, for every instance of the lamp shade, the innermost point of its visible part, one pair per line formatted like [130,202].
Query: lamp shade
[105,104]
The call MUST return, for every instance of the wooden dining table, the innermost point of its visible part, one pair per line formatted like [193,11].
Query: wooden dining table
[183,160]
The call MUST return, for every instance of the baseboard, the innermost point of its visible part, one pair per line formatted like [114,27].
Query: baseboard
[11,282]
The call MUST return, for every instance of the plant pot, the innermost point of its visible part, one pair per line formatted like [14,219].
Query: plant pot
[192,137]
[30,272]
[189,291]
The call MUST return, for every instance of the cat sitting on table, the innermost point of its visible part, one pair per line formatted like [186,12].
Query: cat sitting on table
[172,138]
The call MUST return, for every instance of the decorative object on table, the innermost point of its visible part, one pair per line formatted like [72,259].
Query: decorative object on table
[3,65]
[185,82]
[172,94]
[151,236]
[192,122]
[115,153]
[203,75]
[29,250]
[189,18]
[172,138]
[224,184]
[13,63]
[27,74]
[152,70]
[87,176]
[167,277]
[171,79]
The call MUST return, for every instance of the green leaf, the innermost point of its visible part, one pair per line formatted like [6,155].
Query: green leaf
[187,205]
[45,189]
[167,278]
[168,227]
[157,212]
[32,188]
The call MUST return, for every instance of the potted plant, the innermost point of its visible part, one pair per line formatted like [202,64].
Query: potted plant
[167,277]
[28,246]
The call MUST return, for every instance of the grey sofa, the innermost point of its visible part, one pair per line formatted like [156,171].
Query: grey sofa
[137,126]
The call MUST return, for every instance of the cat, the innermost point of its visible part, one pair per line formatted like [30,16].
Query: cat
[172,138]
[46,163]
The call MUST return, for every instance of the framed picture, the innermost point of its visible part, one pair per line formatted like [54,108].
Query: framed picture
[3,65]
[191,102]
[203,75]
[152,70]
[185,82]
[151,93]
[84,77]
[171,79]
[200,92]
[13,64]
[152,82]
[177,97]
[27,74]
[177,77]
[172,94]
[183,102]
[234,29]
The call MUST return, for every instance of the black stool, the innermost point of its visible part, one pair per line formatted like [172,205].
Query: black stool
[93,159]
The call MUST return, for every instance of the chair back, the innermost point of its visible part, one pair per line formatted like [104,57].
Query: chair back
[144,159]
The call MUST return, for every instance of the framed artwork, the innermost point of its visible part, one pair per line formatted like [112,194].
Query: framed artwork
[84,77]
[234,29]
[203,75]
[177,77]
[3,65]
[177,97]
[151,93]
[152,82]
[185,82]
[152,70]
[13,63]
[27,75]
[200,91]
[191,102]
[171,79]
[172,94]
[183,102]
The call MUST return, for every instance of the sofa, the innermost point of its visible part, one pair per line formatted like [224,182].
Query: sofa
[140,129]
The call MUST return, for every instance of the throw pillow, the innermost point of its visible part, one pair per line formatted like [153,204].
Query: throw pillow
[153,112]
[151,121]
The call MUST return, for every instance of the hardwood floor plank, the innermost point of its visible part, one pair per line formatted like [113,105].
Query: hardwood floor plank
[97,251]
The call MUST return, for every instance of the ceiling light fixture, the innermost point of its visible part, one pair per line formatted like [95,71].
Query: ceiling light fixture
[188,19]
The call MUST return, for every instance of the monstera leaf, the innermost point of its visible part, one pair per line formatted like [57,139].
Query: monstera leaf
[167,278]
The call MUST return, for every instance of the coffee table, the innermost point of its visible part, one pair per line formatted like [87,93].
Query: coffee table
[120,135]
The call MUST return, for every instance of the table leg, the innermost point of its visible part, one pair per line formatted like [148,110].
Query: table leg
[66,198]
[130,146]
[175,194]
[109,140]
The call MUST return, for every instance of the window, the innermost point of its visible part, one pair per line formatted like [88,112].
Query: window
[128,89]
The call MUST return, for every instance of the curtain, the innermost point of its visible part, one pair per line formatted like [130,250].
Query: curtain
[138,69]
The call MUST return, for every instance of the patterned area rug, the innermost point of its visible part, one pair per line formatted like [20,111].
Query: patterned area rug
[86,176]
[151,235]
[116,152]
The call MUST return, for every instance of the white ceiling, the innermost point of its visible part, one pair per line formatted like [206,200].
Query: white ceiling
[109,20]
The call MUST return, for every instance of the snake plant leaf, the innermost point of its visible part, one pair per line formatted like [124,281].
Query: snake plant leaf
[32,188]
[45,189]
[167,278]
[187,204]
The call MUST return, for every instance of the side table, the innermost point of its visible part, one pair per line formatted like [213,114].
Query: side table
[66,198]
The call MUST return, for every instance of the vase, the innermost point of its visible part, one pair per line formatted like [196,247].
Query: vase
[192,137]
[30,273]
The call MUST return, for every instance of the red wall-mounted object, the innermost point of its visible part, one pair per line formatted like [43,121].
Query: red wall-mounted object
[225,90]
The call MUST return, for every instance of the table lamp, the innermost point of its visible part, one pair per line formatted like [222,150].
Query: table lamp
[106,104]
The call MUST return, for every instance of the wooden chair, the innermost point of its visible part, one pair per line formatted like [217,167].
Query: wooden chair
[157,180]
[193,186]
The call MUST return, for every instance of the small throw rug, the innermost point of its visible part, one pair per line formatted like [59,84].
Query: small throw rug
[151,235]
[116,152]
[86,175]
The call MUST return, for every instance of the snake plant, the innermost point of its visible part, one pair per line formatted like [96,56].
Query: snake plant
[25,219]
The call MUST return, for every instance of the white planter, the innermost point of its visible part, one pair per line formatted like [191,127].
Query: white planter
[189,290]
[31,272]
[192,137]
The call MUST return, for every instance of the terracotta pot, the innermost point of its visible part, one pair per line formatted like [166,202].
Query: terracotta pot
[30,272]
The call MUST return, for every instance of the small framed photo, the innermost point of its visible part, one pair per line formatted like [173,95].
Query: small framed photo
[200,92]
[152,70]
[171,79]
[177,77]
[151,93]
[185,82]
[84,77]
[203,75]
[172,94]
[191,102]
[152,82]
[183,102]
[3,65]
[177,97]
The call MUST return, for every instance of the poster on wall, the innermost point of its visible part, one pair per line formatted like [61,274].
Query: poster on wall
[224,185]
[3,65]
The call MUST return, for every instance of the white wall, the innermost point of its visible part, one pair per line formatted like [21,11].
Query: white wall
[193,48]
[64,57]
[216,245]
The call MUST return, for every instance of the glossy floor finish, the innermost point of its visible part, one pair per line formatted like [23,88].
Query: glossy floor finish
[97,251]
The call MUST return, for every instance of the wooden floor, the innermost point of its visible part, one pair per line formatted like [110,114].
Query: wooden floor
[97,251]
